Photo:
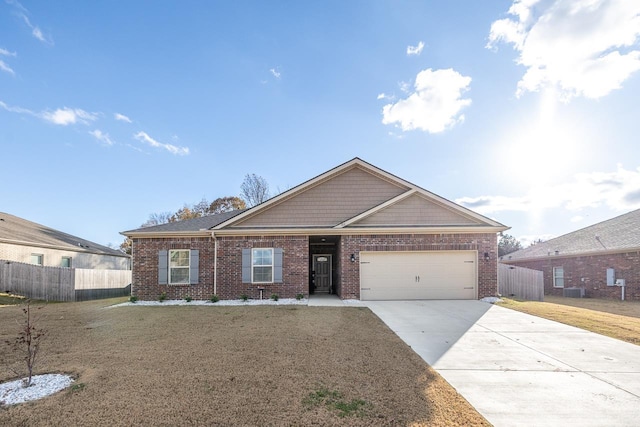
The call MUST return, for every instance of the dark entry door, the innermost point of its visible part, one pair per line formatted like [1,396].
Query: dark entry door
[322,268]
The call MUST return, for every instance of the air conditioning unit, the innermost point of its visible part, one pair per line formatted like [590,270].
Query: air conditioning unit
[573,292]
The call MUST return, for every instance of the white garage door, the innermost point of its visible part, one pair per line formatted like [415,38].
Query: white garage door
[418,275]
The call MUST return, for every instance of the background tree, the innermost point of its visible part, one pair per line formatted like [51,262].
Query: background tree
[126,246]
[157,219]
[508,244]
[255,189]
[226,204]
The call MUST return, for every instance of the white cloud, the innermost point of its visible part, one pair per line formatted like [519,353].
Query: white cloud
[144,137]
[66,116]
[415,50]
[435,104]
[576,218]
[62,116]
[275,72]
[121,117]
[619,190]
[3,65]
[582,48]
[36,32]
[18,110]
[102,137]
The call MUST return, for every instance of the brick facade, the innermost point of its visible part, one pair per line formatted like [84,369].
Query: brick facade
[590,273]
[296,263]
[145,268]
[483,243]
[295,266]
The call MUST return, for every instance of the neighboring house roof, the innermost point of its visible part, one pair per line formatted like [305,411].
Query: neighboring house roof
[19,231]
[618,234]
[353,198]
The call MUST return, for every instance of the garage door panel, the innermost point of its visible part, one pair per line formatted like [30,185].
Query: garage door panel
[418,275]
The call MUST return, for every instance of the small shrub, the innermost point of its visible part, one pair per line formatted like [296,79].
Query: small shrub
[274,297]
[214,299]
[162,296]
[188,298]
[244,297]
[133,299]
[77,387]
[299,296]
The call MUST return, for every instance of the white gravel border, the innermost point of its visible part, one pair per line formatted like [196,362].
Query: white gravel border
[227,303]
[14,392]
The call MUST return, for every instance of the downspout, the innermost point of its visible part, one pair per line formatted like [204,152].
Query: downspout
[215,263]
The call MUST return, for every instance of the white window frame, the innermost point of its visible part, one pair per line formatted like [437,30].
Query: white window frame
[556,276]
[181,267]
[40,259]
[253,265]
[70,262]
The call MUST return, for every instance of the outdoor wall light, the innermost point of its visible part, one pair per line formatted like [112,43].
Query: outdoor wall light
[486,256]
[353,257]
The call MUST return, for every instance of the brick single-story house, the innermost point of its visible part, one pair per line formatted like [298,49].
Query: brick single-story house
[355,230]
[31,243]
[592,259]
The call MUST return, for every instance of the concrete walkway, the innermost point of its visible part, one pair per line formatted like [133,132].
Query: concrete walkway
[521,370]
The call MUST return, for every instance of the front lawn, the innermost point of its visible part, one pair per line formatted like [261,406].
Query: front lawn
[616,319]
[270,365]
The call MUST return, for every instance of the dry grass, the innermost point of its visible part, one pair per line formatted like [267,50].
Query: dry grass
[232,366]
[616,319]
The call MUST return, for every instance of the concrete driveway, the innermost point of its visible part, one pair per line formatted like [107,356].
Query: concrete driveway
[521,370]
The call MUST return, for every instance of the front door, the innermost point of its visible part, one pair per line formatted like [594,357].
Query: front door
[322,273]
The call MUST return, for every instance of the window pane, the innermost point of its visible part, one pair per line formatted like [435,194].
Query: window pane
[262,274]
[179,258]
[66,262]
[179,275]
[262,257]
[36,259]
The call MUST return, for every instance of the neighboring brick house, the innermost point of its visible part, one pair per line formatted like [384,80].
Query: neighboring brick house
[355,230]
[592,258]
[27,242]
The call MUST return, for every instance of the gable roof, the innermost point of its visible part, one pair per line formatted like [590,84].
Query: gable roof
[199,225]
[19,231]
[354,197]
[618,234]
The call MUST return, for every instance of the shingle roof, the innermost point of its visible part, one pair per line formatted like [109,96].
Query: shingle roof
[17,230]
[616,234]
[187,225]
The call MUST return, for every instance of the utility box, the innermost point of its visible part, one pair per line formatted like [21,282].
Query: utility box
[620,282]
[611,277]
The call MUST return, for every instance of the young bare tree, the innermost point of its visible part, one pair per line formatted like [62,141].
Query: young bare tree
[255,189]
[27,342]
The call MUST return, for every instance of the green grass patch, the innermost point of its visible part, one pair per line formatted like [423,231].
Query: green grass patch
[334,400]
[8,299]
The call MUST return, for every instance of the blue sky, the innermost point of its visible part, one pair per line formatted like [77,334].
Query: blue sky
[524,111]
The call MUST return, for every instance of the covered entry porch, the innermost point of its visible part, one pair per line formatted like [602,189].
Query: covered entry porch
[324,265]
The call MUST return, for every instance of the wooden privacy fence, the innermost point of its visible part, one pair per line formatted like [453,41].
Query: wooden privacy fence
[62,284]
[520,282]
